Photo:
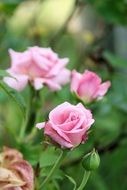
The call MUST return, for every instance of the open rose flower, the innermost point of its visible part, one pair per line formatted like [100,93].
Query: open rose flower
[68,124]
[15,172]
[39,66]
[88,86]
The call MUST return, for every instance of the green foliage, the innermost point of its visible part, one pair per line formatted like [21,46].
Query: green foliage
[108,134]
[115,60]
[113,11]
[48,157]
[15,96]
[4,73]
[72,181]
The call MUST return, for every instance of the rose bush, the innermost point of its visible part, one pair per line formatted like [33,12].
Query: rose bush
[88,86]
[39,66]
[68,124]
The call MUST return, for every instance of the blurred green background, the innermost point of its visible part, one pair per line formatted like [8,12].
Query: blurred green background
[93,34]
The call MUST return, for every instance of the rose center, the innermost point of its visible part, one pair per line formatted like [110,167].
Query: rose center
[73,117]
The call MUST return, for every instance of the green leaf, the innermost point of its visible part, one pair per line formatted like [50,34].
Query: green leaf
[59,175]
[15,96]
[114,13]
[72,181]
[48,158]
[115,60]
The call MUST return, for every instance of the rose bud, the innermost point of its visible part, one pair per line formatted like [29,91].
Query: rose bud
[68,124]
[39,66]
[15,172]
[88,86]
[91,161]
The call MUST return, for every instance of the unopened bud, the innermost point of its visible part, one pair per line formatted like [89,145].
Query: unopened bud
[91,161]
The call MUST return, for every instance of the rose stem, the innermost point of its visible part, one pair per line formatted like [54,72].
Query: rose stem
[56,165]
[84,180]
[28,114]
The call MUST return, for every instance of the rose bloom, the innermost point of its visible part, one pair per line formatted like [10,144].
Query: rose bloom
[15,172]
[88,86]
[39,66]
[68,124]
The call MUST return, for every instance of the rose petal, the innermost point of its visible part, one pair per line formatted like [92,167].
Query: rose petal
[75,79]
[55,114]
[11,155]
[53,86]
[40,125]
[56,69]
[38,83]
[56,137]
[41,61]
[63,77]
[9,179]
[104,88]
[89,85]
[19,82]
[24,169]
[76,137]
[19,58]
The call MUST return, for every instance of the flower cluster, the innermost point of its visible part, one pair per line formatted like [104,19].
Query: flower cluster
[67,124]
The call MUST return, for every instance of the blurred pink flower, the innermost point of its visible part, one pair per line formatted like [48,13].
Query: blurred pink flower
[88,86]
[68,124]
[39,66]
[15,173]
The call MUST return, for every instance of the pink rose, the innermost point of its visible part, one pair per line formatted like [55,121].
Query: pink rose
[39,66]
[15,172]
[68,124]
[88,86]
